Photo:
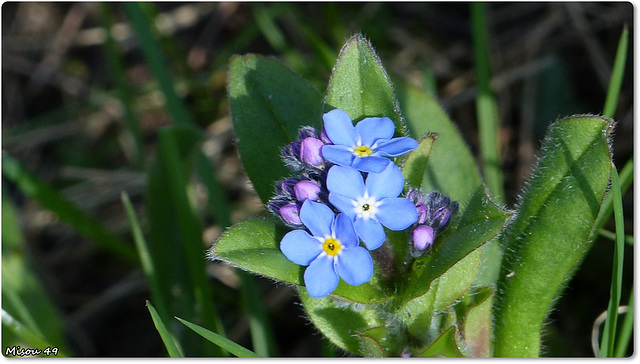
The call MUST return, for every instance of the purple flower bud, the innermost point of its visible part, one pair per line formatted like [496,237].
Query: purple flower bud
[290,214]
[307,132]
[307,190]
[441,217]
[310,151]
[285,187]
[423,237]
[423,212]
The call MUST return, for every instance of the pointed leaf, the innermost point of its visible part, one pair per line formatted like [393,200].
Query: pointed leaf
[172,347]
[269,103]
[477,324]
[221,341]
[360,86]
[555,223]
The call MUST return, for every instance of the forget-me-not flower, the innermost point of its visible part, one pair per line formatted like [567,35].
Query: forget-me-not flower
[365,146]
[331,250]
[371,203]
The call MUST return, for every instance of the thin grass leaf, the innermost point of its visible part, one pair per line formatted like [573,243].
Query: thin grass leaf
[625,177]
[607,345]
[168,340]
[55,202]
[611,101]
[25,333]
[266,21]
[116,65]
[486,105]
[218,203]
[223,342]
[626,330]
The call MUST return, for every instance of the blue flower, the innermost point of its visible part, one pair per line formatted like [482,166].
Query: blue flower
[373,203]
[331,251]
[365,146]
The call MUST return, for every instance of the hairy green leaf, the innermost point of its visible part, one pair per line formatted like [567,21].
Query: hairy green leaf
[547,239]
[360,86]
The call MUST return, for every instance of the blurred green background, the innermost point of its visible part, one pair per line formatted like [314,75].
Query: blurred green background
[87,87]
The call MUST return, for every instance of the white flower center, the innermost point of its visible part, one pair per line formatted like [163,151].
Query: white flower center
[366,207]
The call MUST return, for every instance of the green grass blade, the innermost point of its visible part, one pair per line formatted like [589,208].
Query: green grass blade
[625,177]
[22,331]
[486,105]
[607,345]
[171,345]
[615,83]
[626,330]
[141,25]
[55,202]
[218,203]
[117,68]
[223,342]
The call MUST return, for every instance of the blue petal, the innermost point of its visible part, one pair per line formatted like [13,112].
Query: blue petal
[345,181]
[397,213]
[388,183]
[317,218]
[355,266]
[396,147]
[344,204]
[370,164]
[320,277]
[343,228]
[337,154]
[339,128]
[370,232]
[300,247]
[372,129]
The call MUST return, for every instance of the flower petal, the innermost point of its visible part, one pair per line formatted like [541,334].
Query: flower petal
[388,183]
[397,213]
[372,163]
[344,204]
[355,266]
[317,218]
[396,147]
[370,232]
[372,129]
[300,247]
[339,128]
[345,181]
[343,228]
[337,154]
[320,277]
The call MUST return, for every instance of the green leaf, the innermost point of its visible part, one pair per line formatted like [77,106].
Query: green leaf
[175,239]
[451,169]
[613,91]
[555,222]
[269,103]
[254,245]
[341,322]
[25,333]
[481,221]
[444,346]
[221,341]
[172,347]
[415,165]
[360,86]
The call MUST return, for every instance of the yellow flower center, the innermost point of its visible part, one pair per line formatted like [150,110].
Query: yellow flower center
[332,246]
[362,151]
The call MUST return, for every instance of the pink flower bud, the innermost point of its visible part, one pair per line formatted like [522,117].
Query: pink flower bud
[422,237]
[310,151]
[306,190]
